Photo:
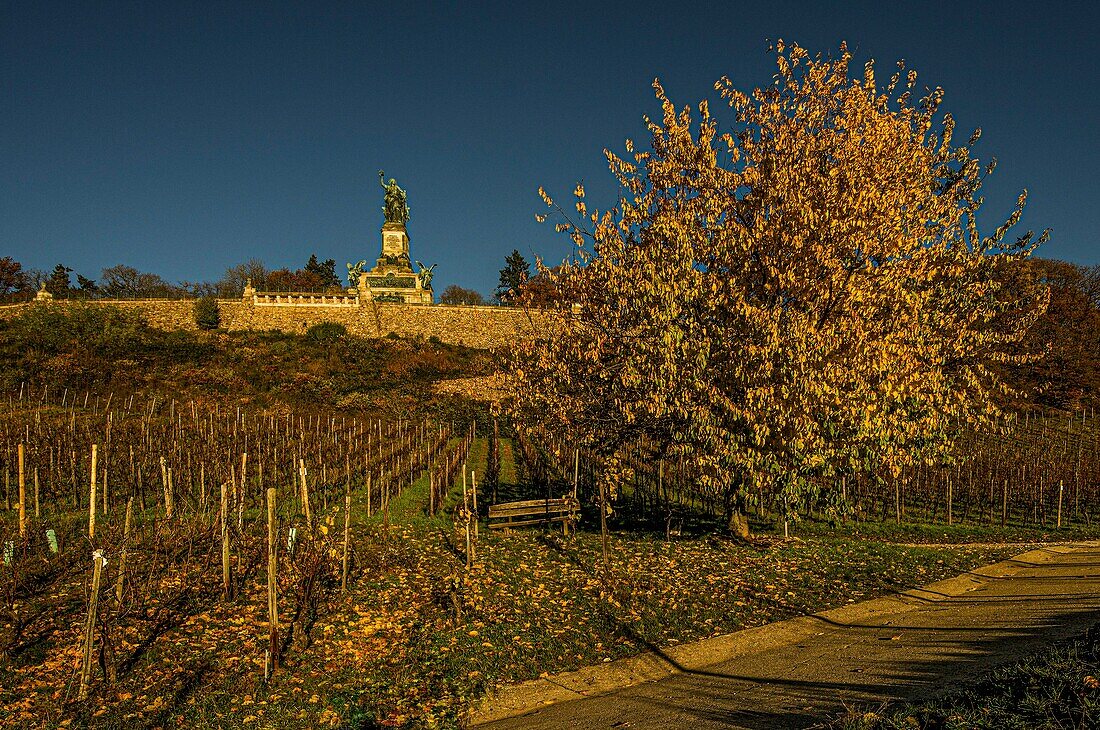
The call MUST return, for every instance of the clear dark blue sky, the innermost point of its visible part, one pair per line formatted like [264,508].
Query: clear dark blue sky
[183,138]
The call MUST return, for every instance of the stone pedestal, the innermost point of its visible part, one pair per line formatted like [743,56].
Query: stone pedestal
[392,279]
[395,241]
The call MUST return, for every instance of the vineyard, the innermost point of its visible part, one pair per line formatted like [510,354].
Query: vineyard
[166,561]
[231,532]
[1041,471]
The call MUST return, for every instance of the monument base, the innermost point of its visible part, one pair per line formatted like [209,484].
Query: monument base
[392,279]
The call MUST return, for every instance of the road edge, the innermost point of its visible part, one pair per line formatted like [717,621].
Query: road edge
[526,697]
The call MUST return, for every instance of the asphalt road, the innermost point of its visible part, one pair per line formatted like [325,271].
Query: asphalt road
[792,674]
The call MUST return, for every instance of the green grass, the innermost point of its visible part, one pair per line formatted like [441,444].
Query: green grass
[1054,689]
[934,533]
[507,461]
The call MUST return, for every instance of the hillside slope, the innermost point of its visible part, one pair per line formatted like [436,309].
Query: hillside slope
[104,350]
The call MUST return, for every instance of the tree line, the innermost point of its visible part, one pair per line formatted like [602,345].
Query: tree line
[517,287]
[18,283]
[126,282]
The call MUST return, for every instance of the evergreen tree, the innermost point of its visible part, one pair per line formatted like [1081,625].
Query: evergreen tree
[515,273]
[87,286]
[207,314]
[59,283]
[324,270]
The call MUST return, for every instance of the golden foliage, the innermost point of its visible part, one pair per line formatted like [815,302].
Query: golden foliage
[804,297]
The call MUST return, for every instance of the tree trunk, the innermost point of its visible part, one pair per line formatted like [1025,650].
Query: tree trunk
[737,516]
[739,525]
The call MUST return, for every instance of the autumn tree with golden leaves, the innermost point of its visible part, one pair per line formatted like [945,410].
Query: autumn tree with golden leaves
[805,297]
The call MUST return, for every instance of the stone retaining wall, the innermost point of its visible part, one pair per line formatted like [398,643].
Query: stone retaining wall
[482,327]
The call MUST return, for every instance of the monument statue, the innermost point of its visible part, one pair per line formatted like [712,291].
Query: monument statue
[425,275]
[393,278]
[354,270]
[396,208]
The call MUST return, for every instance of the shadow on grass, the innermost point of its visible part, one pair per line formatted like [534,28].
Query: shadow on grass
[846,665]
[193,678]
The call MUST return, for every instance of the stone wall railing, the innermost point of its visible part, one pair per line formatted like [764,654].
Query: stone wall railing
[296,299]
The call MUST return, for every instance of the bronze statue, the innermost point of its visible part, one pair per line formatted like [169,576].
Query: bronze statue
[396,208]
[354,270]
[425,275]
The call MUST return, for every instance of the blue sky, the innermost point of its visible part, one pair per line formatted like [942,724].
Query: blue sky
[183,138]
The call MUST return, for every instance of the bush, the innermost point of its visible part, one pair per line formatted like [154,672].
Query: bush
[207,314]
[326,332]
[44,331]
[90,345]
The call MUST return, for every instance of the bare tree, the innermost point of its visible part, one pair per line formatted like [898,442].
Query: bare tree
[236,277]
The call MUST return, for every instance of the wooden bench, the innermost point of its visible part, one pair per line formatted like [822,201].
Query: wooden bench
[535,512]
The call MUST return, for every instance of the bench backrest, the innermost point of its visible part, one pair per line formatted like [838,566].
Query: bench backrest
[533,507]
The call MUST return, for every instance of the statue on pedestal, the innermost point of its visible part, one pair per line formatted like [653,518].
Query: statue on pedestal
[396,208]
[43,295]
[354,270]
[425,275]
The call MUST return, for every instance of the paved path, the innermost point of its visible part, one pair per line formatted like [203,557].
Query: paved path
[791,674]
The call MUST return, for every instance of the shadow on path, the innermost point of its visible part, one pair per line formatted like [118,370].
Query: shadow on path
[918,650]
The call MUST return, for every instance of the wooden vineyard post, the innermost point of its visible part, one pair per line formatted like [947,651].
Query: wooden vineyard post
[91,493]
[992,498]
[224,524]
[105,503]
[603,526]
[164,482]
[897,501]
[98,562]
[577,469]
[384,499]
[1004,503]
[950,516]
[466,518]
[240,502]
[384,486]
[1076,491]
[347,533]
[473,490]
[22,497]
[305,494]
[166,477]
[122,555]
[368,493]
[1062,488]
[272,583]
[657,495]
